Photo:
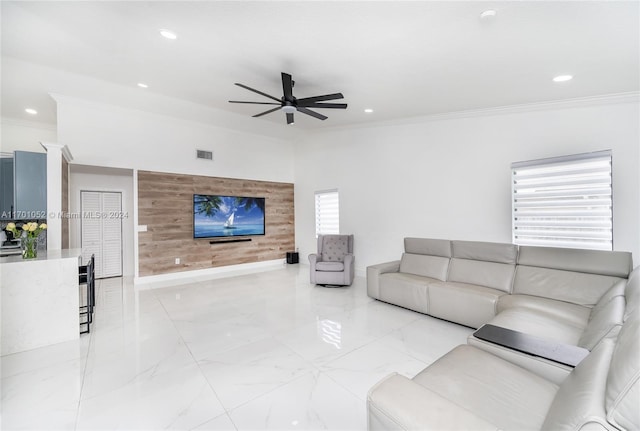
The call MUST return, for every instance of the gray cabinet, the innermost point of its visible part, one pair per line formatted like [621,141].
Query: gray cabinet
[23,186]
[30,185]
[6,188]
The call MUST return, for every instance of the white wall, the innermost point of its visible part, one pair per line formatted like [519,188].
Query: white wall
[105,135]
[25,136]
[91,178]
[449,177]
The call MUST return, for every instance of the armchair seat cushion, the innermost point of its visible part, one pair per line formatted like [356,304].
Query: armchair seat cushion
[330,266]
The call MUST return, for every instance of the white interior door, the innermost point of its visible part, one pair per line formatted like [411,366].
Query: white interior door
[101,231]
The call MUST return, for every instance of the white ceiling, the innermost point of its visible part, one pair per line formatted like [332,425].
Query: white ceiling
[402,59]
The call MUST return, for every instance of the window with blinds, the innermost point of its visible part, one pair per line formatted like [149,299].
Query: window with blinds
[564,202]
[327,212]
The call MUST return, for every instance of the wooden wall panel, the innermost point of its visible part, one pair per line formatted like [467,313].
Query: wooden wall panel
[165,205]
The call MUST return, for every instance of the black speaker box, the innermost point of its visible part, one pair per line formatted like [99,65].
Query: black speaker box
[292,257]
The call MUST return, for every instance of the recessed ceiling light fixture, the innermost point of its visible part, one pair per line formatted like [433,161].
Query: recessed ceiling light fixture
[368,110]
[31,111]
[168,34]
[489,13]
[563,78]
[142,85]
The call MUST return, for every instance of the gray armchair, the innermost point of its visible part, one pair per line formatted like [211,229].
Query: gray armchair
[333,264]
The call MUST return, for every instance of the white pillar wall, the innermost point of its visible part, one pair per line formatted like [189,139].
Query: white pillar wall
[55,153]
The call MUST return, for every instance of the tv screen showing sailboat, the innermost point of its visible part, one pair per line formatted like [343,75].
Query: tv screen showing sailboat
[223,216]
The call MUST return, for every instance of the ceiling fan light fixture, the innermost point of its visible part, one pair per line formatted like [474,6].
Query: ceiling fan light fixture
[288,109]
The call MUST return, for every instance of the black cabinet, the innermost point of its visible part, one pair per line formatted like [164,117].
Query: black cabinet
[6,188]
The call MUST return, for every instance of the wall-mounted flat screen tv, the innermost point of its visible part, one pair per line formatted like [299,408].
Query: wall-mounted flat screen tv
[216,216]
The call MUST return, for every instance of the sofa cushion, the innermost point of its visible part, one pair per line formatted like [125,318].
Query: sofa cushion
[485,251]
[405,290]
[397,403]
[428,246]
[576,287]
[463,303]
[540,324]
[488,274]
[334,248]
[426,266]
[611,263]
[492,388]
[576,315]
[622,396]
[330,266]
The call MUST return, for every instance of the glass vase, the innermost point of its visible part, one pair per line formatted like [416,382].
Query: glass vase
[29,247]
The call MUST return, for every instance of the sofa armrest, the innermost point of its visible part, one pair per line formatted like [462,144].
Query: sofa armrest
[349,271]
[373,274]
[398,403]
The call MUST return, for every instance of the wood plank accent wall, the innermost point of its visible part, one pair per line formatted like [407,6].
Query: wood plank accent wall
[65,203]
[165,206]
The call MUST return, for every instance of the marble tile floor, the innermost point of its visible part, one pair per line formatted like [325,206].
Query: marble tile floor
[257,351]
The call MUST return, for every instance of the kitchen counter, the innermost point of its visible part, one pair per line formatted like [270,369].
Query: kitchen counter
[40,300]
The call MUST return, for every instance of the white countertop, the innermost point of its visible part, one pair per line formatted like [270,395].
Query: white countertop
[44,255]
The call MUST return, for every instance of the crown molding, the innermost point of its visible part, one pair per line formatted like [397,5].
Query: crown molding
[581,102]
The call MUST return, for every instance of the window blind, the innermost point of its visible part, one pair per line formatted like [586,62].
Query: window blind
[564,202]
[327,212]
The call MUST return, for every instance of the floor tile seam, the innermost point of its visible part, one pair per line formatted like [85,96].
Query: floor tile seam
[342,386]
[204,376]
[84,375]
[216,417]
[305,374]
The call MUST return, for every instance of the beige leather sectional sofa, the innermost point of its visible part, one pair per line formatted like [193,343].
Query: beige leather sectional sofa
[543,305]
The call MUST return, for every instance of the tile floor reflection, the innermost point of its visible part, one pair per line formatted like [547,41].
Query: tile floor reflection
[257,351]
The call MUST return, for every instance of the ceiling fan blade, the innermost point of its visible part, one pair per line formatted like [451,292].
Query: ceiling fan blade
[314,99]
[259,92]
[289,118]
[255,103]
[287,87]
[325,105]
[313,114]
[266,112]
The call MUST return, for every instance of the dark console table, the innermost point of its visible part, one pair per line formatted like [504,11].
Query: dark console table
[565,354]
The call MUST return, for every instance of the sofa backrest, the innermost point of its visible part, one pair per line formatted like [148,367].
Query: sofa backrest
[577,276]
[426,257]
[483,263]
[622,396]
[632,293]
[606,317]
[579,400]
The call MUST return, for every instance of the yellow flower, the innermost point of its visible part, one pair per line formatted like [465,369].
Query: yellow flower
[11,226]
[33,227]
[43,226]
[25,227]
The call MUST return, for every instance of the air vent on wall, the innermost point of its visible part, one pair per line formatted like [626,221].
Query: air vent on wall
[206,155]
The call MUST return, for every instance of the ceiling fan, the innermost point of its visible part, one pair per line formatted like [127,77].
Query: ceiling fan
[289,104]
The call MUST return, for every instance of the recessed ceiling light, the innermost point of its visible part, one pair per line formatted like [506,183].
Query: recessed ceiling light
[168,34]
[488,13]
[31,111]
[368,110]
[142,85]
[562,78]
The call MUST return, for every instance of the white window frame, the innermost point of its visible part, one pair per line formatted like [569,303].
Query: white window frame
[327,209]
[564,201]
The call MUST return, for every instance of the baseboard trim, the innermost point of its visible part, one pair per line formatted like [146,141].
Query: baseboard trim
[171,279]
